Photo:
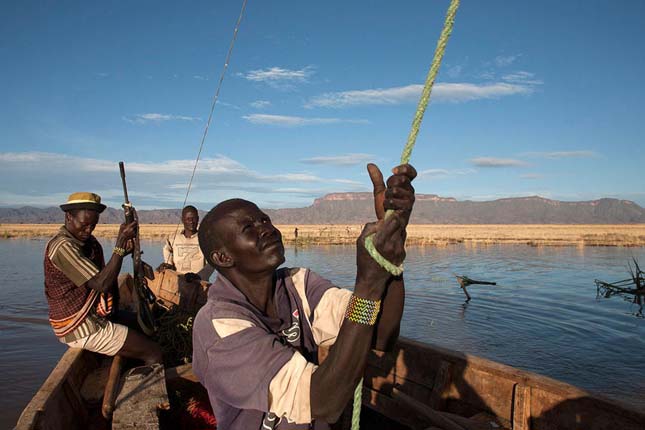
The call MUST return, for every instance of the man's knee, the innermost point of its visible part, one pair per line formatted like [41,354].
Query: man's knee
[141,347]
[156,355]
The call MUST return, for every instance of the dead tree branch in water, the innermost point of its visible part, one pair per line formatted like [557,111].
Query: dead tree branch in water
[465,281]
[624,288]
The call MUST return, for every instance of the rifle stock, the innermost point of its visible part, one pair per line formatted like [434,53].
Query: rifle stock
[144,297]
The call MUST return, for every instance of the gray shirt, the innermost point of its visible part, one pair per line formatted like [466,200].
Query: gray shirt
[257,369]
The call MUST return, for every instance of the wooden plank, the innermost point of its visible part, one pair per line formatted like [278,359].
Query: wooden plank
[406,415]
[522,407]
[474,390]
[491,421]
[441,386]
[432,415]
[549,411]
[392,409]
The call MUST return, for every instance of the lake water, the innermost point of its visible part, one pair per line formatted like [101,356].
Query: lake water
[543,315]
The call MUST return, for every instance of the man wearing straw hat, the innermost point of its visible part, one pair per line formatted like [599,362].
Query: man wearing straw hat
[79,284]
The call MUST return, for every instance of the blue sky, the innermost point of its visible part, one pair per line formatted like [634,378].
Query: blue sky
[533,98]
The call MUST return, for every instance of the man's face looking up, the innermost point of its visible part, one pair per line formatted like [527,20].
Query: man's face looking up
[250,239]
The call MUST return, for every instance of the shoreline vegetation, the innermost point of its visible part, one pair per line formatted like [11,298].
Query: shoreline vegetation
[418,234]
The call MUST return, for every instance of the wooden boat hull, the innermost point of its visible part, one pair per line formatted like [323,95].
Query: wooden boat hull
[58,404]
[468,389]
[468,385]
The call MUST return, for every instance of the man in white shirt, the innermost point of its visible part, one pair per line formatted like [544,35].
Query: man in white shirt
[181,252]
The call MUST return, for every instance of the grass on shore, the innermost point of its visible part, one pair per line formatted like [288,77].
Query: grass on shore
[418,234]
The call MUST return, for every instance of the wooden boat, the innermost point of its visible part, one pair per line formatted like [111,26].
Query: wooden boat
[71,396]
[416,386]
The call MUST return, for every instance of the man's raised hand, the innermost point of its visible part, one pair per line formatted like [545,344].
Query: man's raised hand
[399,193]
[389,233]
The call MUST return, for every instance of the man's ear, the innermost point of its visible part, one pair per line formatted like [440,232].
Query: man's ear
[222,259]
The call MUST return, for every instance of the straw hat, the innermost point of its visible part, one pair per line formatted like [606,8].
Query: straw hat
[89,201]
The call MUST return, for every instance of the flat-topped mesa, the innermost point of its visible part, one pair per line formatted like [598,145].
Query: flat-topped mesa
[607,201]
[357,208]
[368,196]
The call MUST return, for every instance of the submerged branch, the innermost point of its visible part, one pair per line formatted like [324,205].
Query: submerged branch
[620,288]
[465,281]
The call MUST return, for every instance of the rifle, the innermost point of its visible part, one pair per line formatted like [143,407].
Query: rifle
[143,296]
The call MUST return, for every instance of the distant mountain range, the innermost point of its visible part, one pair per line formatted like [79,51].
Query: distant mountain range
[357,208]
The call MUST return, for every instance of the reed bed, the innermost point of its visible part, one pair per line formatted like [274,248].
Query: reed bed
[418,234]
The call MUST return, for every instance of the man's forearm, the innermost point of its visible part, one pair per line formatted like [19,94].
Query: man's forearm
[334,381]
[389,323]
[106,278]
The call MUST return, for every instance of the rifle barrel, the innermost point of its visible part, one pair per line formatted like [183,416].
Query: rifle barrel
[125,187]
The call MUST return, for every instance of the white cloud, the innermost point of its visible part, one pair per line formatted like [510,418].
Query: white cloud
[378,96]
[554,155]
[145,118]
[52,162]
[228,105]
[442,92]
[464,92]
[260,104]
[297,121]
[278,77]
[14,199]
[532,176]
[504,61]
[200,77]
[497,162]
[180,186]
[295,190]
[440,173]
[454,71]
[486,75]
[47,178]
[340,160]
[349,182]
[294,177]
[210,166]
[523,78]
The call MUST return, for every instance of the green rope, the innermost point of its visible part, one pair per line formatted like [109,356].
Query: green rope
[405,158]
[416,124]
[356,411]
[432,74]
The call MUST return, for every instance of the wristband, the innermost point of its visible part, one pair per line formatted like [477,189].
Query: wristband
[119,251]
[362,311]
